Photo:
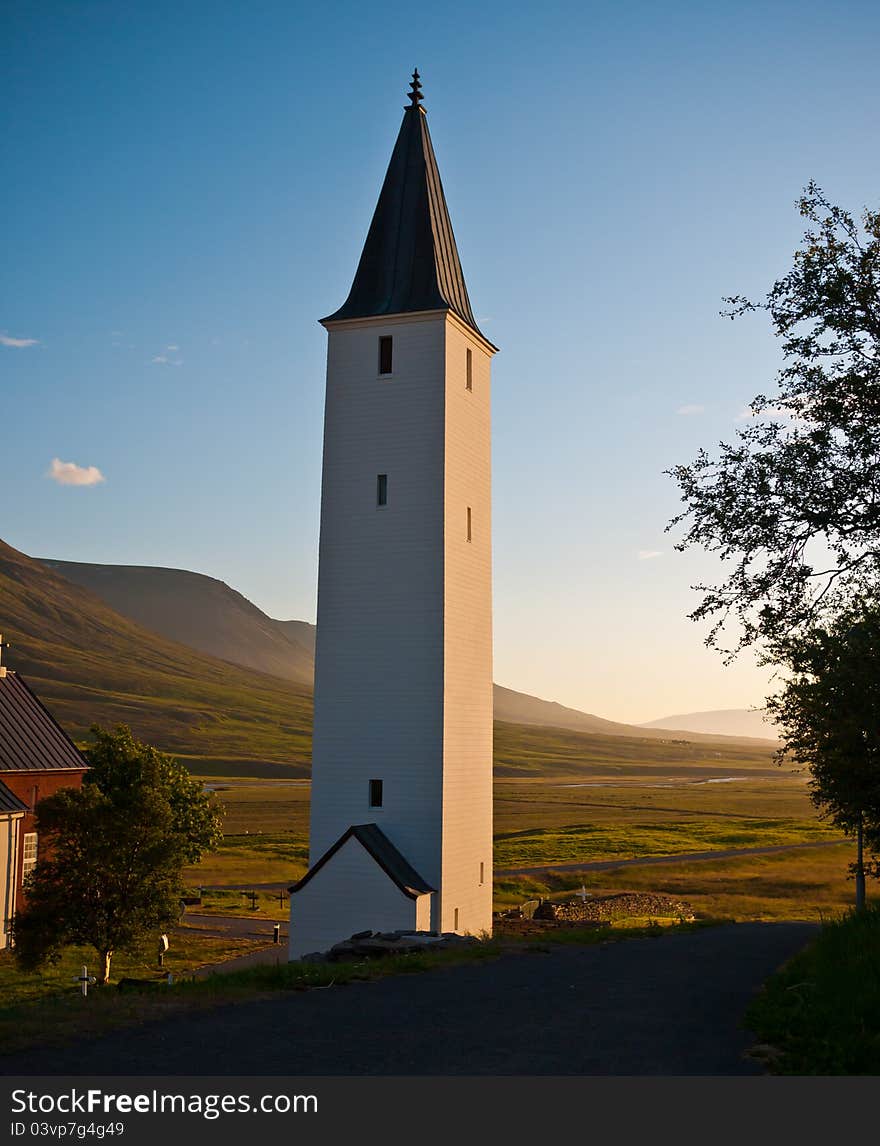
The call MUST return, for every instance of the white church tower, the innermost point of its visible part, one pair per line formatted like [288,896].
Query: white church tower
[401,813]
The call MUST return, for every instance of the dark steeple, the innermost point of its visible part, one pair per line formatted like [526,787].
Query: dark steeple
[410,261]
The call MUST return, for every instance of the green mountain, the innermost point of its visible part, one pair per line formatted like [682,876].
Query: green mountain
[90,665]
[202,613]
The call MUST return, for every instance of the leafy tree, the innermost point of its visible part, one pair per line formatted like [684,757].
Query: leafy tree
[794,503]
[124,769]
[828,711]
[115,852]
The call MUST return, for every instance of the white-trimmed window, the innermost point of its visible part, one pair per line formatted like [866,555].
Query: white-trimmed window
[29,854]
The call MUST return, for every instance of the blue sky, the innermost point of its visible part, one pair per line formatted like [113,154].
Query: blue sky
[187,189]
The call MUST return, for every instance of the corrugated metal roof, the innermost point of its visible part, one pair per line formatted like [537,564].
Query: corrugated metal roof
[410,261]
[383,852]
[9,802]
[31,740]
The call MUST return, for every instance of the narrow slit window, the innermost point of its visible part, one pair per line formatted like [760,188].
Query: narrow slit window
[482,873]
[381,489]
[455,924]
[385,355]
[469,520]
[375,793]
[469,378]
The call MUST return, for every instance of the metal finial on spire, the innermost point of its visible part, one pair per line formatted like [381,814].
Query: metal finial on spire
[415,96]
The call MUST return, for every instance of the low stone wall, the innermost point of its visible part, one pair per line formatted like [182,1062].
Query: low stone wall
[604,908]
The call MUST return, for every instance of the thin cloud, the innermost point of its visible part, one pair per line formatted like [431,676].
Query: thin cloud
[649,554]
[18,343]
[769,413]
[773,414]
[162,359]
[69,473]
[687,411]
[173,346]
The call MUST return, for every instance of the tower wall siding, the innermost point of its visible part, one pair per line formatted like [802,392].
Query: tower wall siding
[379,648]
[403,665]
[467,650]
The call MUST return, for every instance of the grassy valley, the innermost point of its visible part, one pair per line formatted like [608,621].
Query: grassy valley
[563,795]
[529,749]
[577,793]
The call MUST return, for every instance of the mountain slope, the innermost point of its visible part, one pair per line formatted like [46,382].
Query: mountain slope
[207,615]
[519,708]
[200,612]
[724,722]
[90,665]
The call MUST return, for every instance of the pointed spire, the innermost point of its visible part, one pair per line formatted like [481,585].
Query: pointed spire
[415,96]
[410,261]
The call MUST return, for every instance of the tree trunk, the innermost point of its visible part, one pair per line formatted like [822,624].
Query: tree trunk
[860,868]
[106,957]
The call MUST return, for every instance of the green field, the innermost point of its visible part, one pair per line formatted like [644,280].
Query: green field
[554,820]
[523,750]
[46,1008]
[654,811]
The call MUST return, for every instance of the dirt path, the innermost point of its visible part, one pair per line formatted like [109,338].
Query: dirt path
[681,857]
[237,925]
[668,1006]
[589,865]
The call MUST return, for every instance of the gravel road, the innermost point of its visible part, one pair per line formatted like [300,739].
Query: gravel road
[665,1006]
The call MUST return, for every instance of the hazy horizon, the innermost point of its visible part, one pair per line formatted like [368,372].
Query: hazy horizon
[188,192]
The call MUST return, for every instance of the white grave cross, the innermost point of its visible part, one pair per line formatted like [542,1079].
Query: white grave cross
[85,978]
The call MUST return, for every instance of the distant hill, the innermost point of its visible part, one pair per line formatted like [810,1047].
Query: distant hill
[303,634]
[210,617]
[90,664]
[200,612]
[723,722]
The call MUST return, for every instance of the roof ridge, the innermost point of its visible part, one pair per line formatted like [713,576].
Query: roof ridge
[392,861]
[31,739]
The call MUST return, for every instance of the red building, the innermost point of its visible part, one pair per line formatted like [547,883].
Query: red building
[37,757]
